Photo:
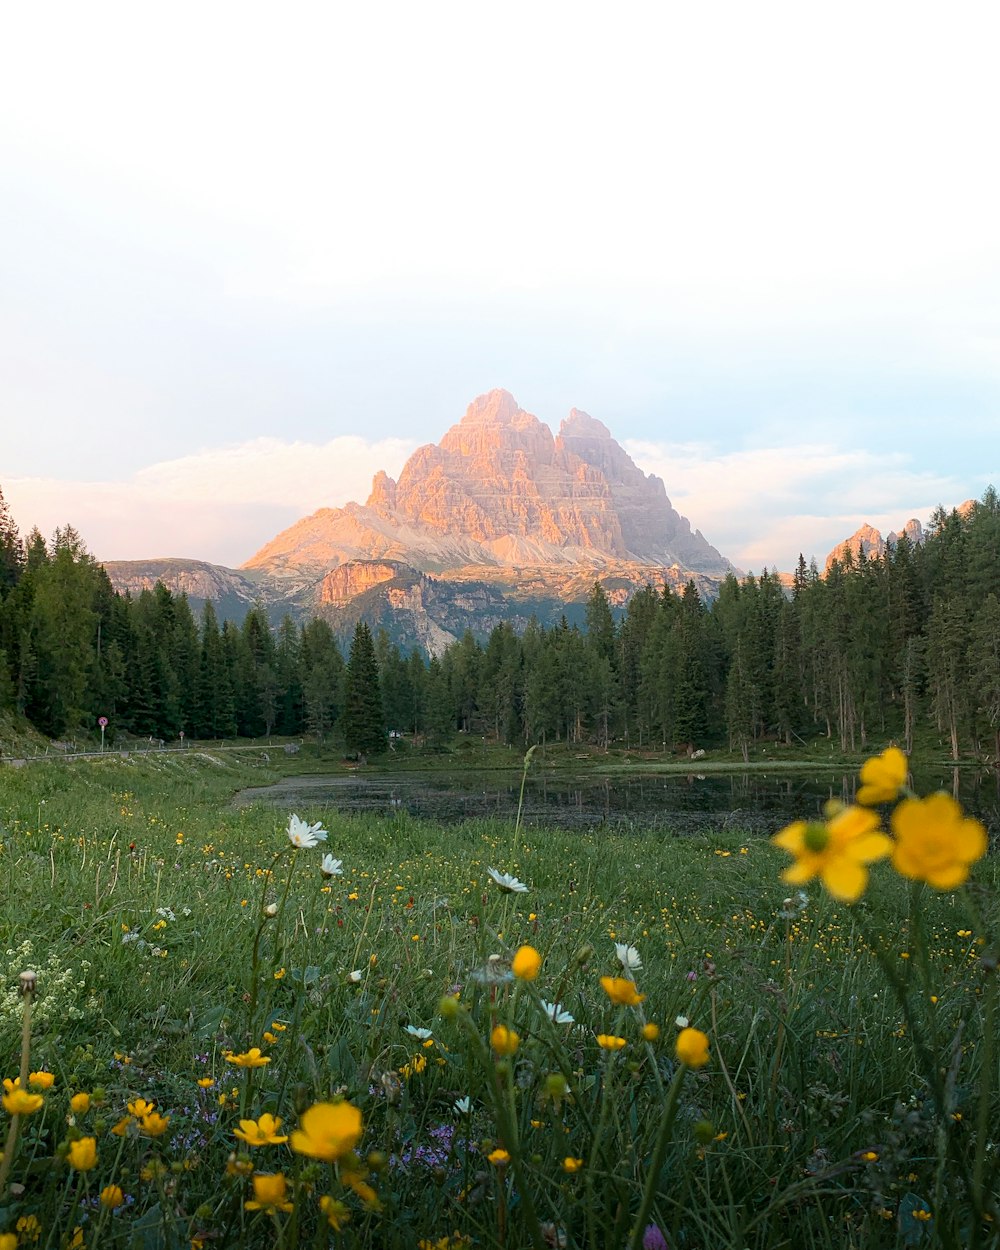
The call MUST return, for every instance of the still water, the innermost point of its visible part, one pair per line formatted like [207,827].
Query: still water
[754,803]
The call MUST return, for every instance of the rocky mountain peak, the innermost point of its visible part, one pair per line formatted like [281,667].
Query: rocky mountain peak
[582,425]
[496,407]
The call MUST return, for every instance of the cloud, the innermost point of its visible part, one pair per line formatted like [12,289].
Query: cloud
[220,504]
[764,506]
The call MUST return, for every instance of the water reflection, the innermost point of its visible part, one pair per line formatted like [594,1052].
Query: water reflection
[749,802]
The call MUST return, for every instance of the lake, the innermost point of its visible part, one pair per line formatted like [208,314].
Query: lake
[752,802]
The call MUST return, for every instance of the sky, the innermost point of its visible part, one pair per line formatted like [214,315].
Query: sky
[251,254]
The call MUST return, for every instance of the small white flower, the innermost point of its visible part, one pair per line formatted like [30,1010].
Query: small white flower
[165,913]
[331,867]
[354,977]
[556,1014]
[628,956]
[682,1022]
[463,1106]
[507,883]
[304,836]
[271,910]
[420,1034]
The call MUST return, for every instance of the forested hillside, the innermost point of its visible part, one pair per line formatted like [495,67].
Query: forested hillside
[868,650]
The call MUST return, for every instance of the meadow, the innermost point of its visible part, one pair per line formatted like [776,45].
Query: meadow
[246,1034]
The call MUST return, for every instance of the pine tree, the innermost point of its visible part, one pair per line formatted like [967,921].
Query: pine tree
[363,720]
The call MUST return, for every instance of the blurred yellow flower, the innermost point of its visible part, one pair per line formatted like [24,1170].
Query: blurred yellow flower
[328,1131]
[499,1157]
[139,1106]
[504,1041]
[692,1047]
[82,1154]
[650,1032]
[20,1102]
[261,1132]
[112,1196]
[336,1212]
[79,1104]
[837,852]
[41,1080]
[251,1058]
[270,1193]
[8,1241]
[572,1165]
[526,963]
[154,1124]
[882,777]
[205,1082]
[608,1041]
[935,841]
[622,991]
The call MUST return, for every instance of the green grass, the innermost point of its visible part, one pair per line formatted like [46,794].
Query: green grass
[140,890]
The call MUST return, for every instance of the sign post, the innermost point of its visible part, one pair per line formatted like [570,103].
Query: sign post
[103,722]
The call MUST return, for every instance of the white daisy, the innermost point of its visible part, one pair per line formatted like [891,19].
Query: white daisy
[354,977]
[463,1106]
[304,836]
[420,1034]
[628,956]
[556,1014]
[331,867]
[507,883]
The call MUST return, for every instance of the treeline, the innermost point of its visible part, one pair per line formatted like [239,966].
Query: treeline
[870,649]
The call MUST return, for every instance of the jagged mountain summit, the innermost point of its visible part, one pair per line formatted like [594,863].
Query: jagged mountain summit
[499,492]
[867,543]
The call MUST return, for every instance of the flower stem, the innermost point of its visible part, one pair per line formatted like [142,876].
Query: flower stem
[656,1162]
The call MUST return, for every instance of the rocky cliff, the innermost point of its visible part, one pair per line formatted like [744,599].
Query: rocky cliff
[867,543]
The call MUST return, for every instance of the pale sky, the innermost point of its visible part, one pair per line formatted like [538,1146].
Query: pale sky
[250,254]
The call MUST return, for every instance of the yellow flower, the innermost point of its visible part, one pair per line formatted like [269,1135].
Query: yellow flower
[837,852]
[650,1032]
[238,1165]
[20,1102]
[79,1104]
[8,1241]
[499,1157]
[41,1080]
[30,1226]
[357,1182]
[692,1048]
[526,963]
[82,1154]
[329,1130]
[622,991]
[882,777]
[336,1212]
[608,1041]
[139,1107]
[935,842]
[205,1082]
[572,1165]
[262,1132]
[112,1196]
[154,1124]
[270,1193]
[504,1041]
[251,1058]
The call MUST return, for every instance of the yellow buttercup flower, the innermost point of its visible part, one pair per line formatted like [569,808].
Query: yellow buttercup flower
[329,1130]
[608,1041]
[262,1132]
[154,1124]
[622,991]
[837,852]
[8,1241]
[526,963]
[112,1196]
[82,1154]
[270,1193]
[692,1047]
[650,1032]
[337,1213]
[20,1102]
[882,777]
[41,1080]
[572,1165]
[499,1157]
[140,1107]
[79,1104]
[935,841]
[504,1041]
[251,1058]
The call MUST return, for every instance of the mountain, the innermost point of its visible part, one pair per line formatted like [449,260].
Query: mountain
[498,521]
[867,543]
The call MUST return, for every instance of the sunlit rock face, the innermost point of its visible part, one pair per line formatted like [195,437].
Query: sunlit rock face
[867,543]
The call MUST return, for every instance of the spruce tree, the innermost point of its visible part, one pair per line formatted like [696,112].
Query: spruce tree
[364,722]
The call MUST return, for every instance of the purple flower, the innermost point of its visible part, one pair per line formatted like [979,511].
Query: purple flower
[653,1239]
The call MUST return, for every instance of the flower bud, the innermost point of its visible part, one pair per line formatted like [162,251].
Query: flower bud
[271,910]
[28,982]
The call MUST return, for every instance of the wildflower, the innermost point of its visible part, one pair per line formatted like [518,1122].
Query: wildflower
[837,851]
[270,1193]
[682,1022]
[504,1041]
[653,1238]
[8,1241]
[336,1212]
[279,975]
[30,1226]
[41,1080]
[628,957]
[20,1102]
[271,910]
[328,1131]
[238,1165]
[526,963]
[153,1170]
[608,1041]
[79,1104]
[507,883]
[420,1034]
[262,1132]
[569,1164]
[692,1048]
[251,1058]
[556,1014]
[140,1107]
[622,991]
[331,867]
[935,842]
[499,1157]
[154,1124]
[922,1214]
[354,977]
[304,836]
[462,1106]
[356,1181]
[650,1032]
[112,1196]
[882,777]
[82,1154]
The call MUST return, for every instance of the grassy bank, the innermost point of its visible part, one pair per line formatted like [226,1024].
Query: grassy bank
[144,900]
